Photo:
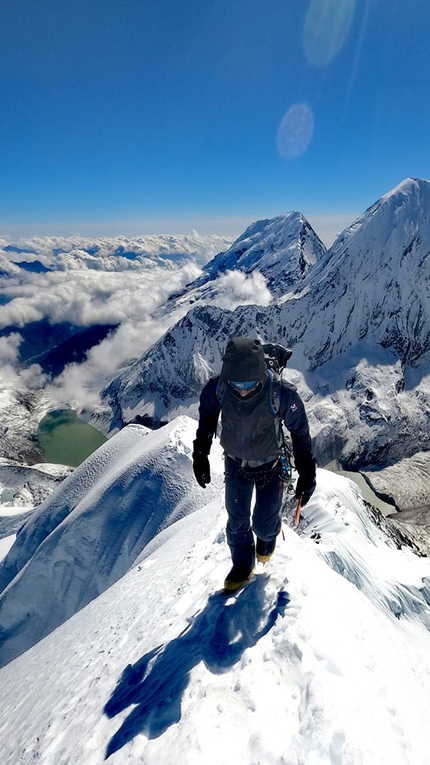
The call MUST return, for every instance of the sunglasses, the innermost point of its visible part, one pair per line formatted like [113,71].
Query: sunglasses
[246,385]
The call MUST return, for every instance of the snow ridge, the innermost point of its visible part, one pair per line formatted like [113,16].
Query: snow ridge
[89,532]
[303,666]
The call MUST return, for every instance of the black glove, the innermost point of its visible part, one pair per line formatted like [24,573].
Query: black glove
[304,490]
[306,483]
[201,467]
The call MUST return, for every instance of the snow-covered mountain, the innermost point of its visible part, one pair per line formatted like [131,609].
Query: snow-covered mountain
[359,324]
[373,284]
[323,658]
[25,487]
[21,411]
[282,250]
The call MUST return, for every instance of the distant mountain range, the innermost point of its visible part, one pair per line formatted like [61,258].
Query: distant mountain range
[357,317]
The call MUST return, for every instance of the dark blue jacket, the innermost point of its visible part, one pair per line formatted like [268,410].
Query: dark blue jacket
[291,413]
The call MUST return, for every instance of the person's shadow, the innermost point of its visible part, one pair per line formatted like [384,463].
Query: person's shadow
[217,635]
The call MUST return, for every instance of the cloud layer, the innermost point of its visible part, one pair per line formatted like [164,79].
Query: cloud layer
[101,281]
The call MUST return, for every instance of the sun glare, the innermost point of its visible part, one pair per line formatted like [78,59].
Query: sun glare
[295,131]
[326,29]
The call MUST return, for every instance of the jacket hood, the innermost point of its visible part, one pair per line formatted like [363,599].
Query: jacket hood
[244,360]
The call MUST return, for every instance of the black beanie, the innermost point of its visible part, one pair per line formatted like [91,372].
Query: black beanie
[244,360]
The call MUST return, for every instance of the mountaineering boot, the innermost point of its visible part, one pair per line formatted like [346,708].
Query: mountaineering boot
[237,578]
[265,549]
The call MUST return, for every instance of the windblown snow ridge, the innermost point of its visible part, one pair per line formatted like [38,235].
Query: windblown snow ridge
[89,532]
[373,557]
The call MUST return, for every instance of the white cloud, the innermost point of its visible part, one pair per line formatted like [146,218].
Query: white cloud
[33,377]
[90,284]
[236,288]
[12,376]
[114,254]
[18,312]
[9,348]
[80,384]
[87,296]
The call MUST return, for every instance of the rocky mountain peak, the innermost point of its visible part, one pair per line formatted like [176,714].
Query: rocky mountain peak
[283,249]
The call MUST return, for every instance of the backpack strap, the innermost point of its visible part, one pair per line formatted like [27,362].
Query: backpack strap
[221,391]
[274,388]
[275,396]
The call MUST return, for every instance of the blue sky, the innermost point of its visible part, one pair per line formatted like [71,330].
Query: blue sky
[139,116]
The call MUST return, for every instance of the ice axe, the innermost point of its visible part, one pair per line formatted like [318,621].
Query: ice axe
[298,511]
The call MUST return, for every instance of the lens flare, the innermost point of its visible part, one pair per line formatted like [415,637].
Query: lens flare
[295,131]
[326,28]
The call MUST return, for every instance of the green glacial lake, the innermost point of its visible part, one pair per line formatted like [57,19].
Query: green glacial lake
[67,440]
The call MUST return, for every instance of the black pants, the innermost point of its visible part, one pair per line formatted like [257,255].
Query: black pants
[266,521]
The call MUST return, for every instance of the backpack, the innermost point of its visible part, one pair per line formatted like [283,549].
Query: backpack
[276,356]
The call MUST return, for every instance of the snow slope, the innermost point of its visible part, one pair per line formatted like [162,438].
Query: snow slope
[5,545]
[374,282]
[23,486]
[89,531]
[306,666]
